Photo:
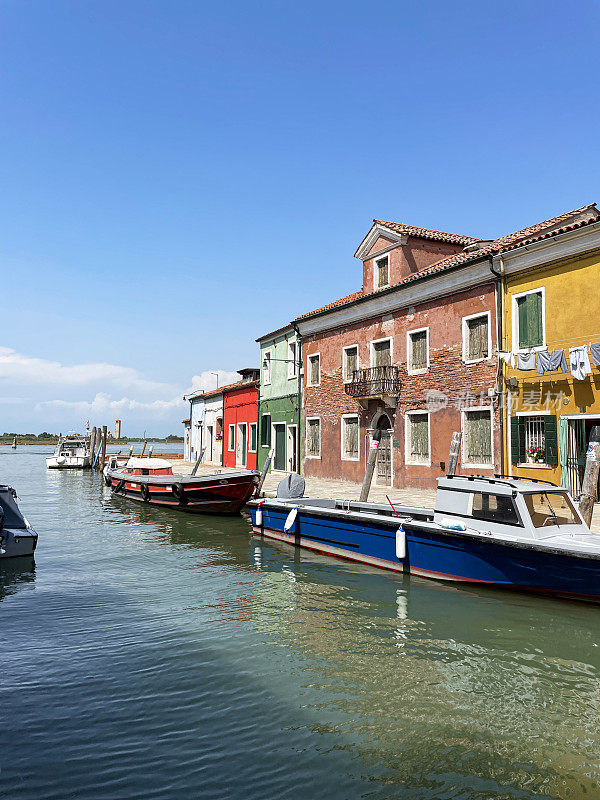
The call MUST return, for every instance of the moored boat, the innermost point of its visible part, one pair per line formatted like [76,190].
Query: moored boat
[72,452]
[17,537]
[151,480]
[506,533]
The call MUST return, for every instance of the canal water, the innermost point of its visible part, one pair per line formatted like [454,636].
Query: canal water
[150,654]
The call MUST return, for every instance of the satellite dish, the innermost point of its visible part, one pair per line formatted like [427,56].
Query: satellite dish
[292,486]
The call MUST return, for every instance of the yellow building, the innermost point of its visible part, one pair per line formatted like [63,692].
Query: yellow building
[550,295]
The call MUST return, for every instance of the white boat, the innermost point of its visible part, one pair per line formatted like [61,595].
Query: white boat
[17,537]
[72,452]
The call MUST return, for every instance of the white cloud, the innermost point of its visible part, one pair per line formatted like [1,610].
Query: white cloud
[207,380]
[104,403]
[19,368]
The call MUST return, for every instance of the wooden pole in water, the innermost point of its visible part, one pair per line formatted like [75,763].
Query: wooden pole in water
[370,468]
[93,443]
[590,478]
[263,474]
[103,458]
[143,449]
[454,451]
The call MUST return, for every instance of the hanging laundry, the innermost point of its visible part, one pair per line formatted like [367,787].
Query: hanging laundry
[580,363]
[595,350]
[550,361]
[507,356]
[526,361]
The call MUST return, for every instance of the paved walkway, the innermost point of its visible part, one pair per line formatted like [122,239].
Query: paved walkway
[346,490]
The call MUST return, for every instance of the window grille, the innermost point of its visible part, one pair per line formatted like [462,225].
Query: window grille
[478,437]
[534,435]
[315,371]
[383,271]
[477,338]
[350,428]
[418,350]
[350,362]
[313,437]
[419,437]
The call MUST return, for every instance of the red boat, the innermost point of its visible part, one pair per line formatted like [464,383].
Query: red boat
[151,480]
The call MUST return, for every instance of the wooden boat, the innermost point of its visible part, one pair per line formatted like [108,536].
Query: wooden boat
[505,533]
[151,480]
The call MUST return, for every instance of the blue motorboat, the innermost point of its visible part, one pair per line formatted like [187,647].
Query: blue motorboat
[17,537]
[503,532]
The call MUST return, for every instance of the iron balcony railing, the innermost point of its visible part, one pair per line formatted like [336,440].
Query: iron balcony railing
[374,381]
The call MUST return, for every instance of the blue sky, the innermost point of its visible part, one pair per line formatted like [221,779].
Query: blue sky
[181,177]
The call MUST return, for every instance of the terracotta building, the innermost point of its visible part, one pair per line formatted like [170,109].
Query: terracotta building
[412,353]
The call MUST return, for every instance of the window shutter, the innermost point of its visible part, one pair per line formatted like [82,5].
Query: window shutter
[382,354]
[523,326]
[551,440]
[515,448]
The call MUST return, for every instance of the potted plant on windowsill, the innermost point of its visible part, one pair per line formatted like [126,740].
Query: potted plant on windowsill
[535,455]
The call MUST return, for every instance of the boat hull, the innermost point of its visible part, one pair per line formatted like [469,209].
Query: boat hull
[68,463]
[441,555]
[18,542]
[217,494]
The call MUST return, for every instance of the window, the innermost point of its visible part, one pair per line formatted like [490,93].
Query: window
[253,437]
[493,508]
[313,437]
[477,438]
[528,319]
[350,437]
[417,438]
[476,337]
[381,353]
[232,437]
[551,508]
[265,430]
[267,368]
[534,438]
[382,272]
[314,370]
[292,359]
[418,351]
[349,362]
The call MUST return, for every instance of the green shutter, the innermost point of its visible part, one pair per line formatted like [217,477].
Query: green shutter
[551,440]
[517,440]
[530,320]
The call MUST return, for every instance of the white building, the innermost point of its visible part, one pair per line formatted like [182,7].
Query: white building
[204,428]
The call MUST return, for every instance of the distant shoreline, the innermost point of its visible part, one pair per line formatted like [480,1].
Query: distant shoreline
[109,442]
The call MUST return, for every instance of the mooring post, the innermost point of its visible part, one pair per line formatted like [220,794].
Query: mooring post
[92,443]
[454,451]
[370,468]
[103,458]
[264,472]
[590,477]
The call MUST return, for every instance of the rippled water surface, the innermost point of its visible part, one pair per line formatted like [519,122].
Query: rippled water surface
[150,654]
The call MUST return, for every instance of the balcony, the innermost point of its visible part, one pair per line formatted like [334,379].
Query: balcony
[382,382]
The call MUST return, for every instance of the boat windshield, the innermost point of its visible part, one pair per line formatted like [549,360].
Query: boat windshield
[12,516]
[551,508]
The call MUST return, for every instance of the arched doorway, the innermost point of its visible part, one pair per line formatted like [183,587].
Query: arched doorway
[383,474]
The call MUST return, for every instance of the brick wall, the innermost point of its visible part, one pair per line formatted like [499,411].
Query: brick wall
[464,385]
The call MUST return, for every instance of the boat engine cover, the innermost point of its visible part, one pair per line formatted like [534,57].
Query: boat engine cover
[291,487]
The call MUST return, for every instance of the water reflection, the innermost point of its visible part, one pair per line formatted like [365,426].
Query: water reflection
[16,574]
[440,685]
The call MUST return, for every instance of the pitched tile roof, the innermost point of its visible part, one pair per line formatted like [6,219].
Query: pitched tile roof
[221,389]
[426,233]
[533,233]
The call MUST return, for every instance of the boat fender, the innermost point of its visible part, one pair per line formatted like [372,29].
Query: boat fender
[119,486]
[400,543]
[145,492]
[177,490]
[290,520]
[107,480]
[452,524]
[259,517]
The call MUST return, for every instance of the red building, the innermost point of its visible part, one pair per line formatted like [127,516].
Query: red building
[240,421]
[413,354]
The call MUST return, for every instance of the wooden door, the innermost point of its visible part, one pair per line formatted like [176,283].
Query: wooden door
[279,462]
[384,460]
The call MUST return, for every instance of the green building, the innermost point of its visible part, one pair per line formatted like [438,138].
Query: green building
[280,399]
